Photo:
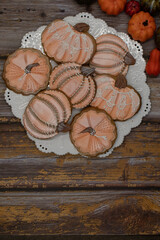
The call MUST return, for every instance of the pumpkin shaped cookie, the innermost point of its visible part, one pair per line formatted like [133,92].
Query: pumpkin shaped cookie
[112,55]
[66,43]
[47,114]
[74,80]
[93,132]
[27,71]
[113,95]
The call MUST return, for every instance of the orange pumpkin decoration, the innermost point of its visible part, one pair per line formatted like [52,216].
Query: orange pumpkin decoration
[65,43]
[112,55]
[27,71]
[75,82]
[47,114]
[153,64]
[93,132]
[113,95]
[141,26]
[112,7]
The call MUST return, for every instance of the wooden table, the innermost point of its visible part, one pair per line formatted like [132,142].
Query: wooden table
[47,194]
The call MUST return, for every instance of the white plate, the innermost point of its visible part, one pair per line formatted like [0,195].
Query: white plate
[136,78]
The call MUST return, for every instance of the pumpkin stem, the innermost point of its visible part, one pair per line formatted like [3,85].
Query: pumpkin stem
[129,59]
[81,27]
[121,81]
[30,66]
[145,23]
[89,130]
[63,127]
[86,70]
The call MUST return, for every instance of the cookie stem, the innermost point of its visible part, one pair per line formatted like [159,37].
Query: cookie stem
[81,27]
[30,66]
[89,130]
[86,70]
[63,127]
[121,81]
[129,59]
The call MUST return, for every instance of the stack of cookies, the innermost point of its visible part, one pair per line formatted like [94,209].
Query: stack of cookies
[90,76]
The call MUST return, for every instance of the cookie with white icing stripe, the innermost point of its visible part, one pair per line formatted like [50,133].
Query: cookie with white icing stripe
[27,71]
[47,114]
[93,132]
[76,82]
[112,56]
[114,96]
[65,43]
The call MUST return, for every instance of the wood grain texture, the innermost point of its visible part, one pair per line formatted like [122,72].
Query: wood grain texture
[79,237]
[134,163]
[93,212]
[35,203]
[17,19]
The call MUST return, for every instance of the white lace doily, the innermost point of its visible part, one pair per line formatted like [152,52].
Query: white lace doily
[136,77]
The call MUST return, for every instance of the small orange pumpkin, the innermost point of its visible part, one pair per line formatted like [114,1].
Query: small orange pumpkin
[27,71]
[112,55]
[93,132]
[74,80]
[47,114]
[66,43]
[112,7]
[113,95]
[153,64]
[141,26]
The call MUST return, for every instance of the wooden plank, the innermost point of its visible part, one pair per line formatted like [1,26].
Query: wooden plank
[79,237]
[5,110]
[93,212]
[154,84]
[17,19]
[134,164]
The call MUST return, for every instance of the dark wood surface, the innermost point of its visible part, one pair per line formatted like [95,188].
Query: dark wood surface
[80,212]
[48,194]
